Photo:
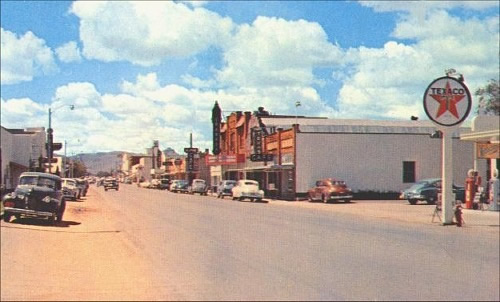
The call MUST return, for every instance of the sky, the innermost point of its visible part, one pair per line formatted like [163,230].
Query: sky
[142,71]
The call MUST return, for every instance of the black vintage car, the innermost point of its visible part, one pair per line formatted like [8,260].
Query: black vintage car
[37,195]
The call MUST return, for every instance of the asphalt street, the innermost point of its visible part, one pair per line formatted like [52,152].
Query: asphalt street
[141,244]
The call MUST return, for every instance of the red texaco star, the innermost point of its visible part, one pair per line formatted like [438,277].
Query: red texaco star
[447,101]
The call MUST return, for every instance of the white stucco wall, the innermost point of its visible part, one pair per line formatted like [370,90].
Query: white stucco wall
[374,161]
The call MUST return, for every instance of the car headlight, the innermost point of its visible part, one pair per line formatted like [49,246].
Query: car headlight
[46,199]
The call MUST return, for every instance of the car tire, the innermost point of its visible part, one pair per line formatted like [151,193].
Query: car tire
[221,196]
[52,219]
[6,217]
[251,200]
[431,200]
[105,189]
[61,212]
[412,201]
[347,200]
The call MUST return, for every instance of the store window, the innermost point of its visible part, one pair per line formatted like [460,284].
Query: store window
[408,171]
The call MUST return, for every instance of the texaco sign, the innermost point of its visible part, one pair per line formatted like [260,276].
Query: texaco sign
[447,101]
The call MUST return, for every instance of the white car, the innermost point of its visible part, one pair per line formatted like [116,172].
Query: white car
[247,188]
[70,188]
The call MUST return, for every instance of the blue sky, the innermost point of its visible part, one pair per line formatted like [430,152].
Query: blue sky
[137,72]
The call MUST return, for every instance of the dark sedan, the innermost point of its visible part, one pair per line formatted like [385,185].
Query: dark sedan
[427,190]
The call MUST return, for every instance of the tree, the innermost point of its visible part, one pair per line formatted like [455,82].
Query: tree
[79,169]
[489,99]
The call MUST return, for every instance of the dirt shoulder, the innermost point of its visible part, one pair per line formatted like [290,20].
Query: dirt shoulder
[94,261]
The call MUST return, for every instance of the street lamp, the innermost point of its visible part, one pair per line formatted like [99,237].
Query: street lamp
[297,104]
[50,134]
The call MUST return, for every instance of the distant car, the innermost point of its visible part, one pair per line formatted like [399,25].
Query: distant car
[247,188]
[164,184]
[110,183]
[144,184]
[37,195]
[198,186]
[155,184]
[83,185]
[225,188]
[427,190]
[330,189]
[70,189]
[179,185]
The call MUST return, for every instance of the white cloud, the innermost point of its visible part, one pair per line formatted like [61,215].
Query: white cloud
[69,52]
[148,32]
[275,51]
[390,82]
[24,57]
[23,113]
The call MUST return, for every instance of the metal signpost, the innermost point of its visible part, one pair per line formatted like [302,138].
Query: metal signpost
[447,103]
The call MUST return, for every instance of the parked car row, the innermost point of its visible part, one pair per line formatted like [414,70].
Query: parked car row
[38,195]
[74,188]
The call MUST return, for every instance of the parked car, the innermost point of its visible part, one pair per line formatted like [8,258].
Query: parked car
[70,189]
[225,188]
[247,188]
[110,183]
[144,184]
[179,185]
[427,190]
[155,184]
[330,189]
[164,184]
[198,186]
[37,195]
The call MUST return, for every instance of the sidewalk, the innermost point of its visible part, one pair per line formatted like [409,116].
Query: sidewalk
[396,210]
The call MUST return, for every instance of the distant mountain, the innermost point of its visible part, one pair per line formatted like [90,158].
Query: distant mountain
[107,161]
[102,161]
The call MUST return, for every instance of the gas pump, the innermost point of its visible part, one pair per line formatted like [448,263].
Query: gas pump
[494,192]
[470,189]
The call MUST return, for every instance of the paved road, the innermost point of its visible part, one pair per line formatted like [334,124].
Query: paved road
[138,244]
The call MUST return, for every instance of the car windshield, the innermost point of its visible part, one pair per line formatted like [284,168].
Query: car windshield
[37,181]
[230,183]
[69,182]
[338,182]
[198,182]
[250,183]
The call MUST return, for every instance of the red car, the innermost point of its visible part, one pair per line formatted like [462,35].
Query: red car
[330,189]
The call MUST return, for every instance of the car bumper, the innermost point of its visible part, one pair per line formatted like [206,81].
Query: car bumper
[27,212]
[252,195]
[412,196]
[338,197]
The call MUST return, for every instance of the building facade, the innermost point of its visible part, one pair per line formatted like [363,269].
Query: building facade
[287,154]
[20,151]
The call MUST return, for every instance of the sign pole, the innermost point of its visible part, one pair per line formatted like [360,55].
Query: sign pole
[447,103]
[447,174]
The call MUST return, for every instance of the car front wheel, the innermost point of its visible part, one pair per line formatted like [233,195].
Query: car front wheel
[412,201]
[431,200]
[6,217]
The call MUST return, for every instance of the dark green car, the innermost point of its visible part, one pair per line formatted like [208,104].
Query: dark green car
[427,190]
[37,195]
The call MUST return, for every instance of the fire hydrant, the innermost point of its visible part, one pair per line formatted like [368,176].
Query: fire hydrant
[458,214]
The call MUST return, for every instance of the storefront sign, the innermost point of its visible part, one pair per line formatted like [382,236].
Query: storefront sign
[190,162]
[262,157]
[257,141]
[216,122]
[487,150]
[220,160]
